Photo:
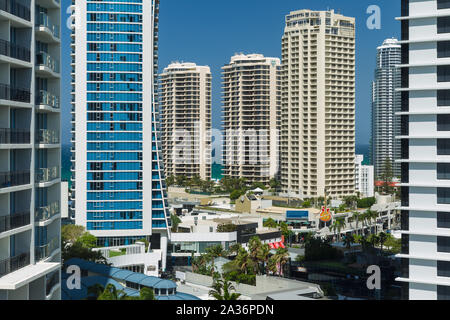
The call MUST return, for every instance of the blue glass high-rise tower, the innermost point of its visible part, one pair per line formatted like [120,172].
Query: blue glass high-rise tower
[118,183]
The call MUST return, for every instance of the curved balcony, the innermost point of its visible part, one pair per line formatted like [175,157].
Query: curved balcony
[52,280]
[44,175]
[14,136]
[45,251]
[16,9]
[47,65]
[14,51]
[46,213]
[14,221]
[47,101]
[47,137]
[46,30]
[14,263]
[14,94]
[13,179]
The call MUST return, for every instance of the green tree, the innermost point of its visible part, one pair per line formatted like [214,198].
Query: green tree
[226,227]
[337,226]
[170,180]
[214,252]
[382,239]
[111,293]
[274,184]
[88,240]
[281,258]
[235,194]
[222,290]
[71,233]
[175,222]
[181,180]
[270,223]
[78,250]
[348,241]
[146,294]
[387,176]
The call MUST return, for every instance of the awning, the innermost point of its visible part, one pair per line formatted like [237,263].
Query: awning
[276,245]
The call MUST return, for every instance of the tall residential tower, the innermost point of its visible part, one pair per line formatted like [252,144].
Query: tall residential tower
[425,158]
[30,150]
[251,117]
[185,105]
[318,104]
[119,191]
[386,102]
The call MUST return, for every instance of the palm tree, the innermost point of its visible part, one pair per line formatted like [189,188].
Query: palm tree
[254,246]
[263,256]
[358,218]
[338,225]
[234,249]
[214,252]
[111,293]
[281,258]
[348,241]
[382,239]
[222,290]
[243,261]
[95,291]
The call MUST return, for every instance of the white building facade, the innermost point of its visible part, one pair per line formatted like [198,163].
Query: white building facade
[30,219]
[185,105]
[386,102]
[118,190]
[425,139]
[251,117]
[318,105]
[364,178]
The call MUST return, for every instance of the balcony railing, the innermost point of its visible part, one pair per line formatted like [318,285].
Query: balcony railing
[14,136]
[47,174]
[12,179]
[45,136]
[14,221]
[14,94]
[47,212]
[14,51]
[45,251]
[43,20]
[16,9]
[52,281]
[48,99]
[44,59]
[14,263]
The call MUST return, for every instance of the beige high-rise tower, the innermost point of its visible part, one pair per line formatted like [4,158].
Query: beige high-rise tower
[251,117]
[318,104]
[185,106]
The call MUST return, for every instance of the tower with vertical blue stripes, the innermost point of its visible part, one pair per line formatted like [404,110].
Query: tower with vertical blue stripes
[118,188]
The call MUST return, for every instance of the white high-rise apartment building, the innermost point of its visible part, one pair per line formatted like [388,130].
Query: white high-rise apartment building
[386,102]
[119,192]
[425,138]
[251,117]
[185,107]
[364,178]
[30,220]
[318,104]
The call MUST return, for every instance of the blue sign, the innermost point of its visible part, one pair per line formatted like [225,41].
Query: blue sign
[297,214]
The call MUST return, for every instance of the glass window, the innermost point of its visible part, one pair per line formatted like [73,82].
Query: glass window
[443,24]
[443,4]
[443,122]
[443,147]
[443,220]
[443,49]
[443,244]
[443,292]
[443,98]
[443,73]
[443,171]
[443,195]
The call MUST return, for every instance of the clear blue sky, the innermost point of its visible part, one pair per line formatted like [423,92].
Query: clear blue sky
[209,32]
